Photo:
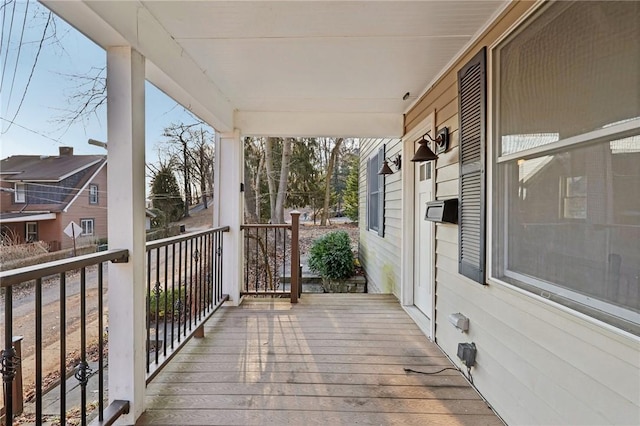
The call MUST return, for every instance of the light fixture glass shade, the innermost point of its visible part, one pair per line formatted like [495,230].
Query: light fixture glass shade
[385,170]
[424,153]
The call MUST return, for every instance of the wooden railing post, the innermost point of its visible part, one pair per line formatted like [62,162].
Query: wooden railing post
[295,255]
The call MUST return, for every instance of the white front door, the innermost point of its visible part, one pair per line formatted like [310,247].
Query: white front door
[422,250]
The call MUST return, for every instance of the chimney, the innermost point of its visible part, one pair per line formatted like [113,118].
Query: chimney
[66,150]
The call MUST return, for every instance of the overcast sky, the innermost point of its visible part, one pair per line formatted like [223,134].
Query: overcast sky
[35,129]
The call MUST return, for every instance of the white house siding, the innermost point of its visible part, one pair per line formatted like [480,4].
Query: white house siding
[380,256]
[537,363]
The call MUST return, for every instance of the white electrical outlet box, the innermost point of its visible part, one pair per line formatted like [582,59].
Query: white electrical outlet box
[459,321]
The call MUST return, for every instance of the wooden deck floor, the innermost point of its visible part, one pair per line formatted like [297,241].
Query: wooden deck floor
[330,360]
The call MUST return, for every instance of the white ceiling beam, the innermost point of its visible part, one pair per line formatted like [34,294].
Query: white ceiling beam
[310,124]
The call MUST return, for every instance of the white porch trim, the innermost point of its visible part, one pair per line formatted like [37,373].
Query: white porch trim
[126,215]
[309,124]
[408,231]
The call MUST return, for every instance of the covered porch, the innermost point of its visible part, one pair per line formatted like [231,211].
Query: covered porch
[344,69]
[331,359]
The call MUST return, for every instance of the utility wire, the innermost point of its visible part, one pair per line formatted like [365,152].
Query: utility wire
[4,13]
[31,130]
[6,57]
[33,68]
[15,69]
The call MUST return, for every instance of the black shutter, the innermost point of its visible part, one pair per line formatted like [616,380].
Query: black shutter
[471,214]
[381,157]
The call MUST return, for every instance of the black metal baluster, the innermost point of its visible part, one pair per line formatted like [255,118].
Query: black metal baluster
[100,344]
[148,313]
[186,286]
[84,371]
[220,268]
[246,233]
[190,283]
[180,293]
[275,258]
[211,296]
[284,255]
[157,297]
[255,262]
[173,292]
[166,297]
[200,277]
[9,358]
[63,348]
[38,350]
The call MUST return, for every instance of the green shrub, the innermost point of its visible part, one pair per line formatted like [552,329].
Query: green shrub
[331,256]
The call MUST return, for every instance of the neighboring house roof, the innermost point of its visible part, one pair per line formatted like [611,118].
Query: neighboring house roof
[54,182]
[34,168]
[26,217]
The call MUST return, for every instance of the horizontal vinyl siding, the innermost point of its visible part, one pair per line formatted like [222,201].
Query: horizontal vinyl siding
[380,256]
[537,363]
[82,209]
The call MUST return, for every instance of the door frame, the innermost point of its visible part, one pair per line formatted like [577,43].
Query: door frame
[427,325]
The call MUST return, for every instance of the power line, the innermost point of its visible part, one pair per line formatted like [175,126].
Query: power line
[31,130]
[4,67]
[4,13]
[33,68]
[15,69]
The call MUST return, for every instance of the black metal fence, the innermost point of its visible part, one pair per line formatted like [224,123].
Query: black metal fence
[74,358]
[272,259]
[184,288]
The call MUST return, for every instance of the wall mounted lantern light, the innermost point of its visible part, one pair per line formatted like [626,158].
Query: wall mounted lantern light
[424,153]
[386,170]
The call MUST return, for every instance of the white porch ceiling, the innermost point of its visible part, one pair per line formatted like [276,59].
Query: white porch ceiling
[331,68]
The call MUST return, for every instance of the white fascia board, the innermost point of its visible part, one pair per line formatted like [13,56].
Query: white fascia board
[32,218]
[169,87]
[84,187]
[78,170]
[81,17]
[328,124]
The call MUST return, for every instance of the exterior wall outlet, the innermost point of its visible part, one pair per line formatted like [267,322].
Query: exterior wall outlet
[459,321]
[467,353]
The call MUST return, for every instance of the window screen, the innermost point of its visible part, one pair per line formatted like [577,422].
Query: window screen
[566,188]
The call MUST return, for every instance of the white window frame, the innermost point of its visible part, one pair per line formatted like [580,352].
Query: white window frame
[28,233]
[84,224]
[539,287]
[20,193]
[93,194]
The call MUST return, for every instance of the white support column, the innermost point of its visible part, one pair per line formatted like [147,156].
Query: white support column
[126,214]
[229,208]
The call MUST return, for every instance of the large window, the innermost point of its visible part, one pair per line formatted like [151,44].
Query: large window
[375,193]
[566,174]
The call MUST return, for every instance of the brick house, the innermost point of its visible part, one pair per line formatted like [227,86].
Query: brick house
[41,195]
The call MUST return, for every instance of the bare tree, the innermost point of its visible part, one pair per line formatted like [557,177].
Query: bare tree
[327,186]
[284,177]
[271,182]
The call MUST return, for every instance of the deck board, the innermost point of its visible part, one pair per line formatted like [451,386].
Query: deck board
[330,359]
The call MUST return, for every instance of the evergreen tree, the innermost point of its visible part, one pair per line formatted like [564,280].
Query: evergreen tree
[351,196]
[165,193]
